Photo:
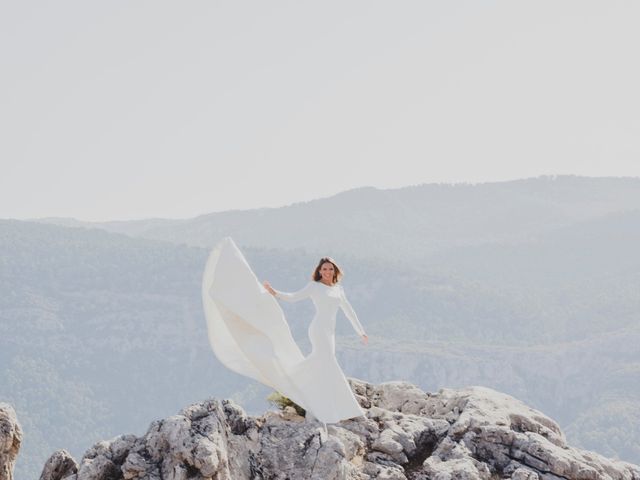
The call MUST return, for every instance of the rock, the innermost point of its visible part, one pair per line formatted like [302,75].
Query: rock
[59,465]
[10,440]
[524,474]
[469,434]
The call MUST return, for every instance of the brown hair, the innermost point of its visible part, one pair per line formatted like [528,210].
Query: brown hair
[337,271]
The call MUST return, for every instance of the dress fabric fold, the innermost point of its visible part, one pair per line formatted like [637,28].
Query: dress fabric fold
[249,334]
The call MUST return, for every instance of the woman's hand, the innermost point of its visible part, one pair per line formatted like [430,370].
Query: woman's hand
[365,339]
[267,285]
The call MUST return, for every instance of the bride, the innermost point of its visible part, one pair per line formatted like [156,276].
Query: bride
[249,334]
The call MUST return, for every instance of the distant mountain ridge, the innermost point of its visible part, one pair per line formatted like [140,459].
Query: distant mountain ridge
[422,219]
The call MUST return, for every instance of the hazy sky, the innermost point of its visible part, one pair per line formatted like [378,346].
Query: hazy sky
[132,109]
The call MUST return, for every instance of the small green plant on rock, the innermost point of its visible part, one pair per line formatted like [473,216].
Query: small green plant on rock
[280,401]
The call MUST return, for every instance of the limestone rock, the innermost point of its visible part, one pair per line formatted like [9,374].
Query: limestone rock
[469,434]
[60,465]
[10,440]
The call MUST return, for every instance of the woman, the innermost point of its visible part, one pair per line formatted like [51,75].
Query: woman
[249,334]
[320,372]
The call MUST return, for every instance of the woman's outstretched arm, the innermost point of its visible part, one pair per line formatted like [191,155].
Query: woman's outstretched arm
[301,294]
[350,313]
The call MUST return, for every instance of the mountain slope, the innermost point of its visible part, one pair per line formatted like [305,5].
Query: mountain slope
[99,323]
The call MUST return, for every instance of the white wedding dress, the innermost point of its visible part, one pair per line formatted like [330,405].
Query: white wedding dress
[249,334]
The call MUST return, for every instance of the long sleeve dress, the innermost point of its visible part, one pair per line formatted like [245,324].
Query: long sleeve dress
[319,375]
[249,334]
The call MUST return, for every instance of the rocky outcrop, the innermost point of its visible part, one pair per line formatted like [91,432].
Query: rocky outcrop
[10,440]
[59,465]
[468,434]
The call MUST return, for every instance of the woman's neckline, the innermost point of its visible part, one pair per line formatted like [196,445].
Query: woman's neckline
[328,286]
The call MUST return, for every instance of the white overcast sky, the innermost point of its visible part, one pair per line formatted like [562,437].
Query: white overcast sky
[132,109]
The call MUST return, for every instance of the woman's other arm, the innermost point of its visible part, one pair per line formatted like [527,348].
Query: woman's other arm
[350,313]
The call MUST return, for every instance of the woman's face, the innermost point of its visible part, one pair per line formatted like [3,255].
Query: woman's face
[326,271]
